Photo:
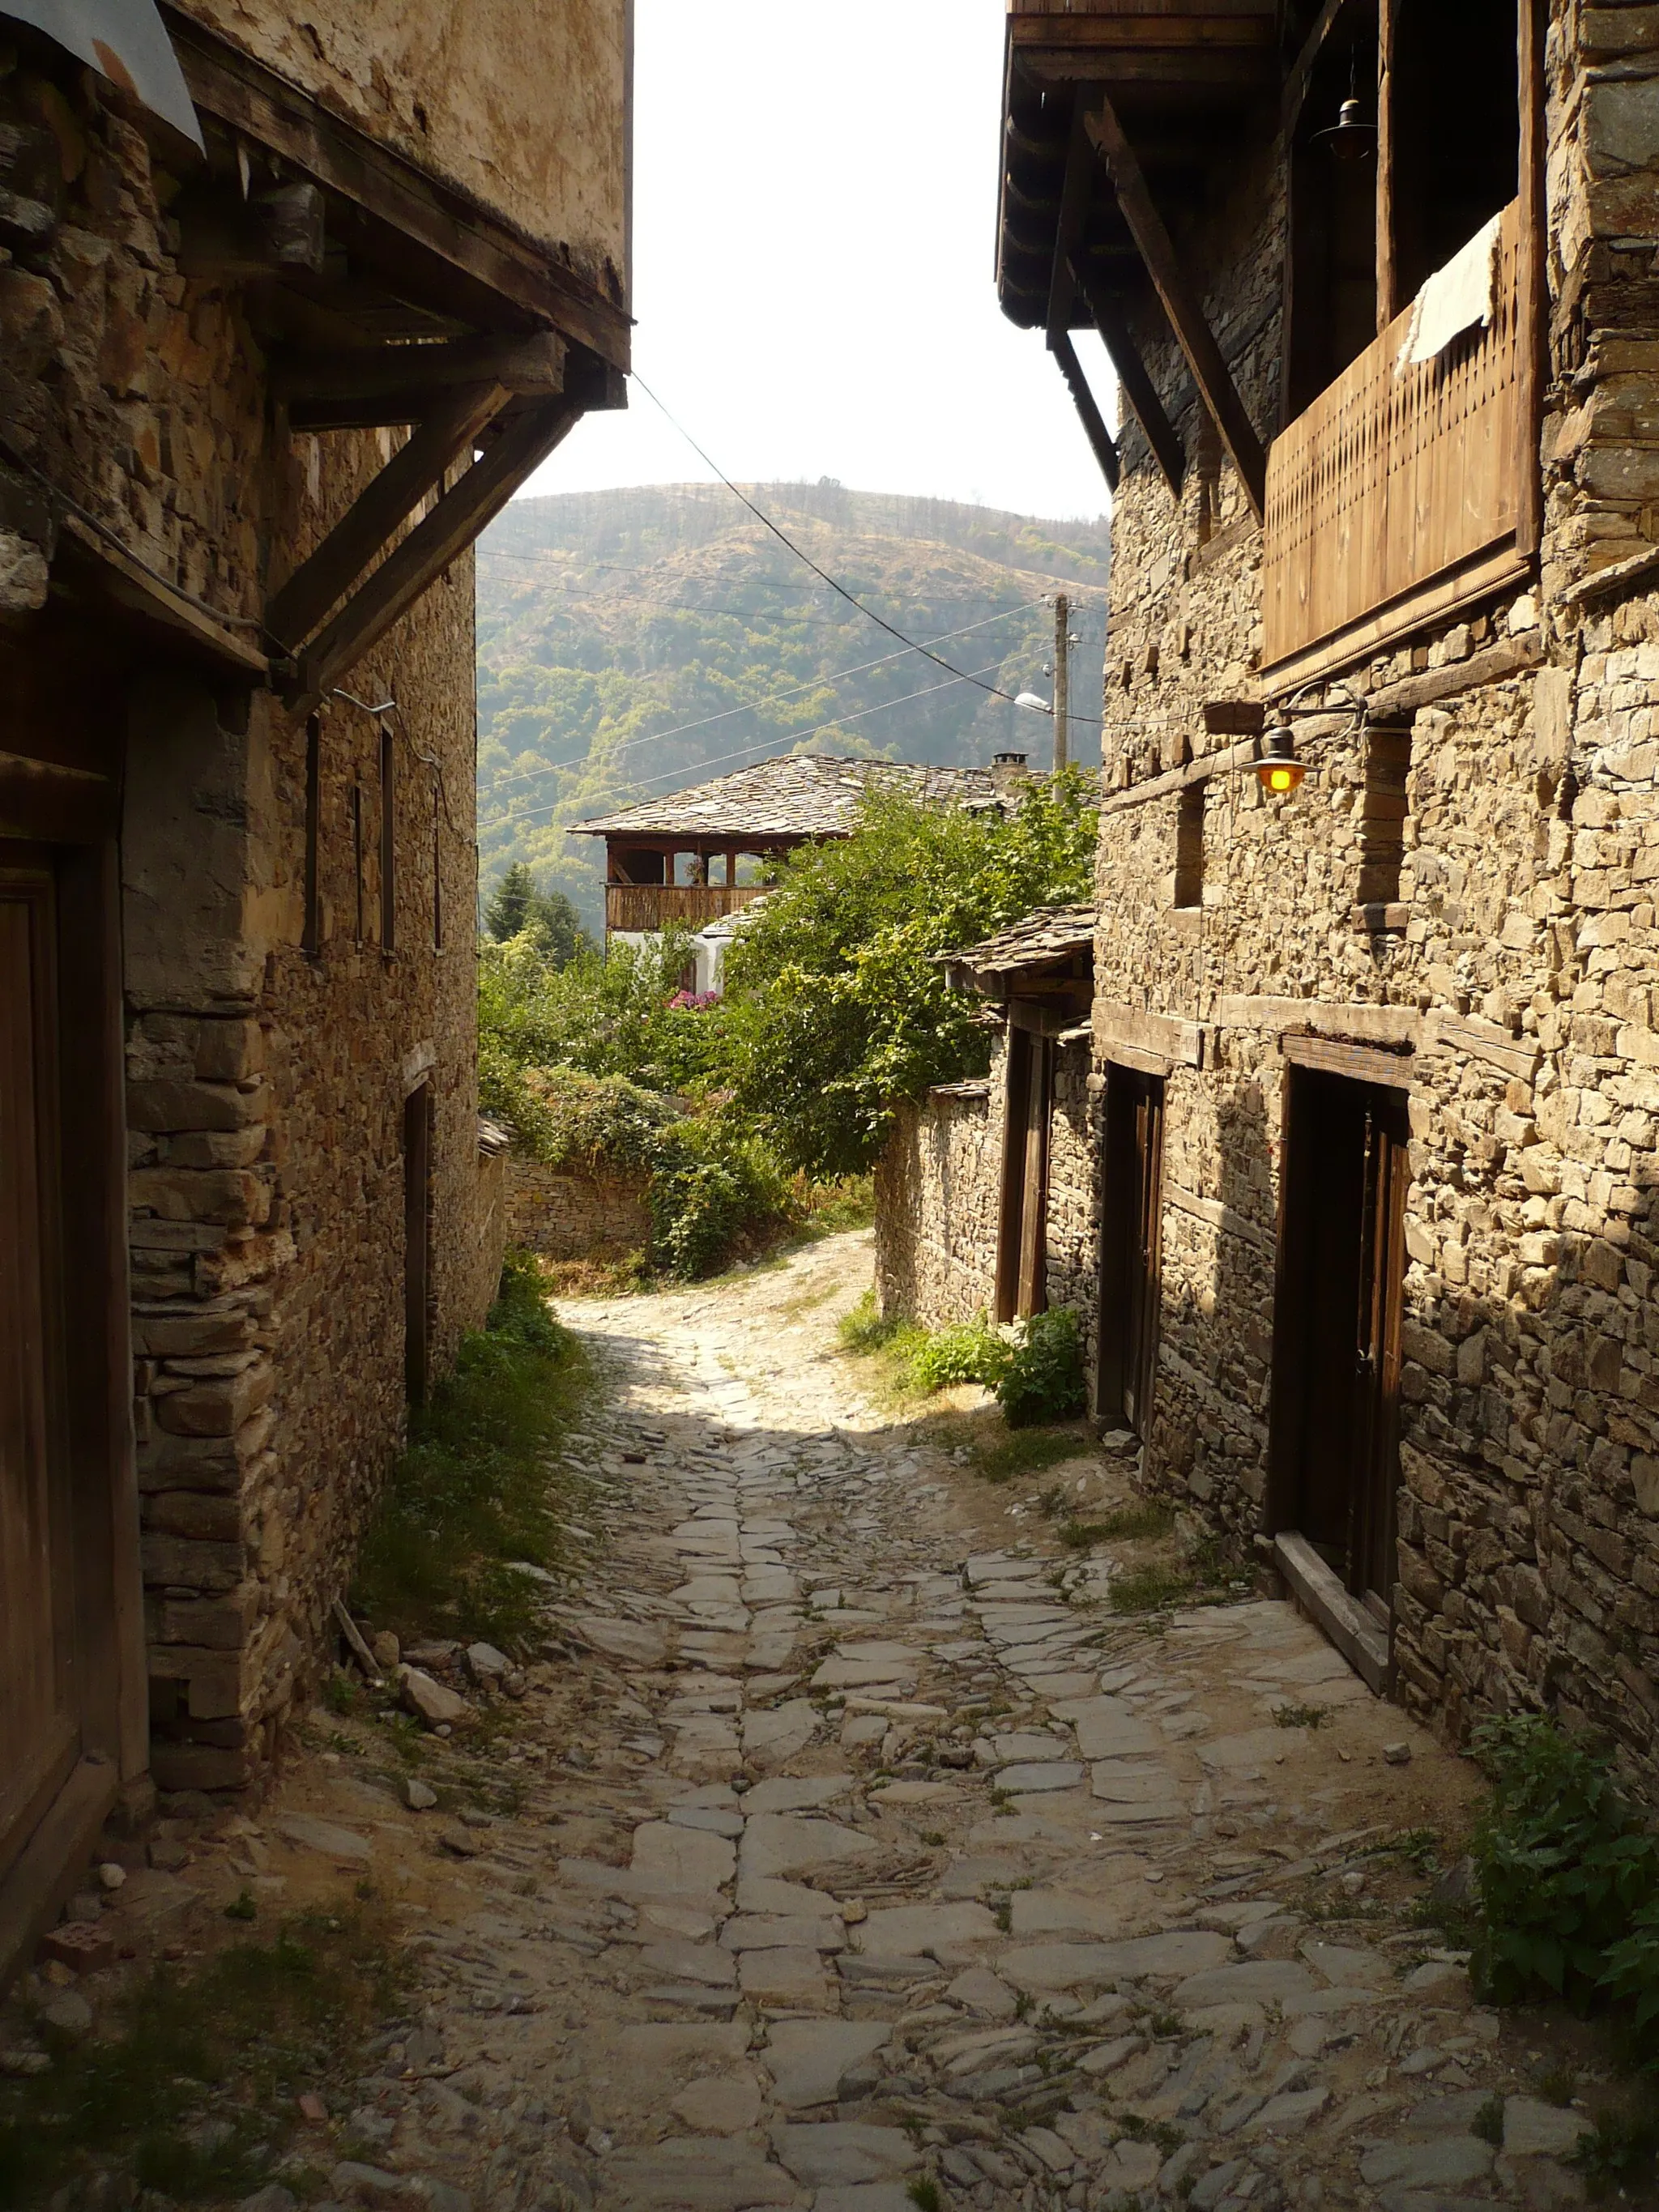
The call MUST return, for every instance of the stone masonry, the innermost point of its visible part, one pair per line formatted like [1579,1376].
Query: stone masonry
[1472,883]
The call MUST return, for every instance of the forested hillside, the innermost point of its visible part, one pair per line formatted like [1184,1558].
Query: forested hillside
[631,642]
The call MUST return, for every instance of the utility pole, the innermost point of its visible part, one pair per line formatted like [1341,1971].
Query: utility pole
[1062,679]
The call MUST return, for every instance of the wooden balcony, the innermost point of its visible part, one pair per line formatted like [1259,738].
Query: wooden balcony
[1397,496]
[643,909]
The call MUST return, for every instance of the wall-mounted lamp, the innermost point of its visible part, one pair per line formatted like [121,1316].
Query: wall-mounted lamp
[1278,770]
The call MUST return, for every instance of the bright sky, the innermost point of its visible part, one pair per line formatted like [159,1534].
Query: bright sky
[815,197]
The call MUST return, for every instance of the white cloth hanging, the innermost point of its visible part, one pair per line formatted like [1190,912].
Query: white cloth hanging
[1455,299]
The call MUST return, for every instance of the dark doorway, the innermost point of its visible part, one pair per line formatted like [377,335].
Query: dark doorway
[1455,123]
[1336,1334]
[1022,1241]
[418,1242]
[1131,1247]
[40,1726]
[1332,272]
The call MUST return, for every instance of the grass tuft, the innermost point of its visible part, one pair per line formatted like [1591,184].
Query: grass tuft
[239,2038]
[471,1495]
[1149,1589]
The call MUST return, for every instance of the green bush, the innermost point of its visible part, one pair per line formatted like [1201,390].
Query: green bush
[716,1192]
[1566,1873]
[1043,1377]
[472,1493]
[972,1352]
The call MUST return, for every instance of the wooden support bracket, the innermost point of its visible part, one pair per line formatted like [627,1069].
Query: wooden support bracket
[1139,390]
[520,446]
[295,611]
[368,386]
[1193,333]
[1094,424]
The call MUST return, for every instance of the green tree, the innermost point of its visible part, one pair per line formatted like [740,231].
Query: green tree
[519,904]
[836,1003]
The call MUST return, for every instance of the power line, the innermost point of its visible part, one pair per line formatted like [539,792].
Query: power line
[807,561]
[661,737]
[644,783]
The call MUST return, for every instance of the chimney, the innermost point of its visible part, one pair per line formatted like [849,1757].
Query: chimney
[1008,772]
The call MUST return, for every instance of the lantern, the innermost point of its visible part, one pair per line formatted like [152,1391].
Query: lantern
[1278,770]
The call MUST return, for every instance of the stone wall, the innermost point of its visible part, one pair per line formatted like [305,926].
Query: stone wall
[271,1049]
[1516,963]
[575,1217]
[939,1194]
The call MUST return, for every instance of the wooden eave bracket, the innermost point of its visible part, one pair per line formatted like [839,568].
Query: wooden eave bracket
[519,445]
[1062,289]
[1180,301]
[372,388]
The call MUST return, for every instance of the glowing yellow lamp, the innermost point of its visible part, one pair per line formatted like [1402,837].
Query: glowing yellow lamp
[1278,771]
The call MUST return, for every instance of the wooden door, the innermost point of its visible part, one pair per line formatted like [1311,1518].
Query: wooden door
[1336,1328]
[1132,1251]
[40,1730]
[1022,1233]
[418,1242]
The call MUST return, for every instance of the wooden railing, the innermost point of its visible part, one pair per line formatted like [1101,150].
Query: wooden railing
[1391,481]
[640,910]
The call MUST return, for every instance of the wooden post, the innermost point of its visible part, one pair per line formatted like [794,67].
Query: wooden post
[1180,303]
[1529,518]
[1388,302]
[1100,441]
[1062,679]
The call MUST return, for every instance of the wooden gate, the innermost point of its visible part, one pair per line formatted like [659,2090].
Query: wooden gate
[1131,1247]
[1335,1429]
[1022,1241]
[39,1735]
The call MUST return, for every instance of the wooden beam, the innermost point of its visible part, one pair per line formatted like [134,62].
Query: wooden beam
[1535,232]
[1301,75]
[1139,390]
[1094,425]
[294,611]
[1180,303]
[1388,302]
[364,387]
[521,445]
[488,261]
[1076,193]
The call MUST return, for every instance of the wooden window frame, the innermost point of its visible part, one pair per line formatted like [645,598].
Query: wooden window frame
[388,764]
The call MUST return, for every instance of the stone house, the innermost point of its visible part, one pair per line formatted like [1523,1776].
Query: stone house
[289,307]
[1375,1031]
[662,855]
[988,1191]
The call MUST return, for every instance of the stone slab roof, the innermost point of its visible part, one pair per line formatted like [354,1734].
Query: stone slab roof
[1052,933]
[802,795]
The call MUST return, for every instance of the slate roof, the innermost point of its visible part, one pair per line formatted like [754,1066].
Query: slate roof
[1053,933]
[801,795]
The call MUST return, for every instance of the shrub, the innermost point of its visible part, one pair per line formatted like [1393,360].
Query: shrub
[715,1192]
[471,1495]
[971,1352]
[1043,1377]
[1567,1872]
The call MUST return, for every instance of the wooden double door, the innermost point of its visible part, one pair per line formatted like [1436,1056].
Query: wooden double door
[1334,1447]
[1131,1247]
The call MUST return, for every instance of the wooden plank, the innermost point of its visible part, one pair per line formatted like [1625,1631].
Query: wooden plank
[1359,1021]
[1359,1063]
[53,1860]
[193,630]
[41,798]
[1139,393]
[1118,1054]
[1493,663]
[1319,1593]
[1473,584]
[414,565]
[1100,438]
[367,387]
[1468,1036]
[379,510]
[1197,340]
[1075,195]
[1534,302]
[1179,1042]
[490,260]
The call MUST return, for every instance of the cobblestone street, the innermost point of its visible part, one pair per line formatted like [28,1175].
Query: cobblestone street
[860,1857]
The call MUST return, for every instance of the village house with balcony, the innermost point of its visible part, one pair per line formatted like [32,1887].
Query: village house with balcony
[694,859]
[1374,1080]
[290,307]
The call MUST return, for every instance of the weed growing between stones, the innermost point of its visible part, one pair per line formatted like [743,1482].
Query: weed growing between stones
[1140,1523]
[1302,1716]
[1149,1589]
[1027,1451]
[241,2037]
[472,1496]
